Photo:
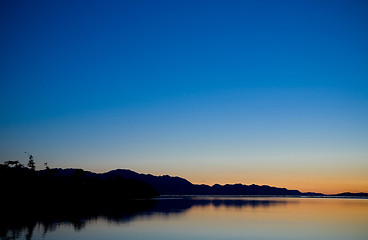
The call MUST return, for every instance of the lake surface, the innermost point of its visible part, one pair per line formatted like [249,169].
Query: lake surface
[213,218]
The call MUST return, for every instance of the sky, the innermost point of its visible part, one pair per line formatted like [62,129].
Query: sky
[252,92]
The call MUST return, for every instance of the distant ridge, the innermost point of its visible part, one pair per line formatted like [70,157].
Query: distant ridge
[162,185]
[168,185]
[349,194]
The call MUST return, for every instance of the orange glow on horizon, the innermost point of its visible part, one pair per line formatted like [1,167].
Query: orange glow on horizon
[304,185]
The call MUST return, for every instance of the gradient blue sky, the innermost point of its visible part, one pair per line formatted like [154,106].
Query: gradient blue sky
[265,92]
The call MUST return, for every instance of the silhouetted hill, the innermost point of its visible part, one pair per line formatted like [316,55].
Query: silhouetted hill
[167,185]
[349,194]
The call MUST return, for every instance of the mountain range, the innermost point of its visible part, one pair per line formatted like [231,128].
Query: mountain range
[168,185]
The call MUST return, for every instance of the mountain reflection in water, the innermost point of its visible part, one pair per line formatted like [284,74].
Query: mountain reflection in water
[18,223]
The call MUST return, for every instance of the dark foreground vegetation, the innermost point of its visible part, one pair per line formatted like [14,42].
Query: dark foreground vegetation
[49,187]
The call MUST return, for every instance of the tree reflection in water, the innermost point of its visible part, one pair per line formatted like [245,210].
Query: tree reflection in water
[15,223]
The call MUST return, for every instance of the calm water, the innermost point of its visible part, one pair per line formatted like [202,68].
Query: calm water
[216,218]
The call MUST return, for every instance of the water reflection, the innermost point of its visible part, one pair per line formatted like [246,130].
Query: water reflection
[16,224]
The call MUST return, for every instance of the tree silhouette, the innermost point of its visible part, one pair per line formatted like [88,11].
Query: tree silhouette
[31,163]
